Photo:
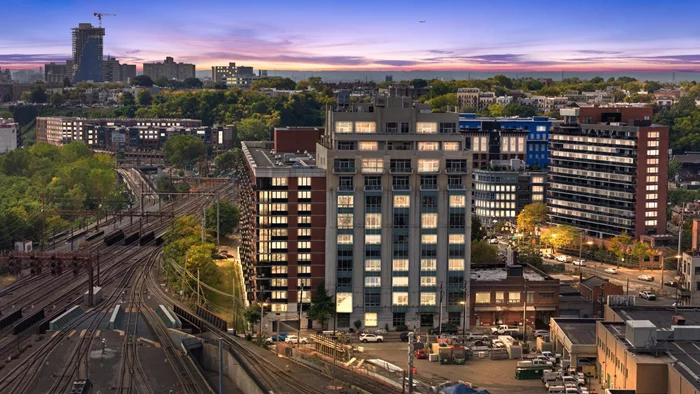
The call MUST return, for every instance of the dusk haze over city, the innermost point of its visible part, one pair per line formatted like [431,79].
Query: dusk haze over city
[495,35]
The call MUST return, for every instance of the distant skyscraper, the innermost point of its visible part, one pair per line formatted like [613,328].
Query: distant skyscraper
[87,53]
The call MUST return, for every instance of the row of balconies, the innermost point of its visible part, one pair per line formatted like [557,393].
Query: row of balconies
[353,170]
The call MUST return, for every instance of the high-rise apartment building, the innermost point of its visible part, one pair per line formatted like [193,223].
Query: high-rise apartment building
[116,72]
[398,213]
[290,231]
[537,127]
[87,53]
[236,76]
[169,69]
[608,171]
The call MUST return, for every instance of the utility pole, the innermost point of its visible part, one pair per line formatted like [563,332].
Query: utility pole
[440,312]
[262,314]
[221,366]
[234,318]
[43,219]
[198,287]
[204,222]
[301,295]
[184,269]
[218,233]
[410,362]
[98,268]
[335,312]
[464,317]
[525,313]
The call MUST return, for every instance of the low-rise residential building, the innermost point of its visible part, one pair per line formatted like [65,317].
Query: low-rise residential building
[9,135]
[689,271]
[572,304]
[113,71]
[58,72]
[500,296]
[132,138]
[61,130]
[649,349]
[290,233]
[595,289]
[474,98]
[236,76]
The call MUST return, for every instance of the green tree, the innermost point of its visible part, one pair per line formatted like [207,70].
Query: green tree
[302,85]
[483,253]
[642,251]
[161,81]
[418,83]
[227,160]
[444,102]
[673,166]
[315,82]
[229,216]
[66,82]
[251,314]
[515,109]
[596,80]
[503,81]
[528,255]
[560,236]
[496,109]
[619,96]
[126,99]
[322,306]
[144,97]
[531,216]
[38,95]
[278,83]
[478,231]
[193,83]
[181,150]
[252,129]
[142,80]
[57,99]
[621,245]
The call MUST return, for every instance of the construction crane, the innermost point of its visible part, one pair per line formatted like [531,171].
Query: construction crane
[99,16]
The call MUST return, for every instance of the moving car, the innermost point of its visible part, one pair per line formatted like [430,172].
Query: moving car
[580,262]
[371,338]
[610,271]
[293,339]
[646,278]
[282,337]
[671,283]
[647,295]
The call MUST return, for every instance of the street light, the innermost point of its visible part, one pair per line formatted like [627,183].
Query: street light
[262,313]
[464,320]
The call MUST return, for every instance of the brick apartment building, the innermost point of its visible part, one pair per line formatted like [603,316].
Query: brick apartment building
[595,289]
[290,230]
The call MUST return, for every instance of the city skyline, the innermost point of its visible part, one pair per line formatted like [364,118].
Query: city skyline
[500,36]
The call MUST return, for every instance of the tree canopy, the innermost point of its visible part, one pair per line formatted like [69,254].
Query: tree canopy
[322,306]
[531,216]
[144,97]
[560,236]
[483,253]
[478,231]
[143,80]
[279,83]
[181,150]
[253,129]
[229,216]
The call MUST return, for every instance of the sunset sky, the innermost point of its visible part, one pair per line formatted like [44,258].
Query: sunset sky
[507,35]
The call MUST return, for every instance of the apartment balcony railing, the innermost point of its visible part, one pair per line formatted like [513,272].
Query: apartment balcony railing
[401,188]
[456,170]
[373,188]
[345,188]
[372,170]
[456,187]
[401,170]
[428,187]
[344,170]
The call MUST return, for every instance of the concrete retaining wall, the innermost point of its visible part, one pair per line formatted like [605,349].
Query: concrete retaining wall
[232,369]
[61,321]
[115,318]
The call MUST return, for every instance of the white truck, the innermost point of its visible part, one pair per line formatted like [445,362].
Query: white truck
[534,363]
[504,330]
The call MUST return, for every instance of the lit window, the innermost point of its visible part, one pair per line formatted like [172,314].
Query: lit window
[373,220]
[537,179]
[650,222]
[371,319]
[304,245]
[345,239]
[304,282]
[652,187]
[399,281]
[303,269]
[429,220]
[653,134]
[652,152]
[279,295]
[429,239]
[428,165]
[428,146]
[652,178]
[652,196]
[302,207]
[650,214]
[457,201]
[653,162]
[483,298]
[652,205]
[537,189]
[345,201]
[541,128]
[428,265]
[400,265]
[304,181]
[450,146]
[513,297]
[279,182]
[456,264]
[427,298]
[373,281]
[369,145]
[652,170]
[456,239]
[304,195]
[653,144]
[400,299]
[304,257]
[344,220]
[401,201]
[373,265]
[373,239]
[303,219]
[426,127]
[427,281]
[500,297]
[365,127]
[372,165]
[537,197]
[279,269]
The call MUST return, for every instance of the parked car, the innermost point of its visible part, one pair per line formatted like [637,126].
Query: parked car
[563,258]
[472,336]
[647,295]
[611,271]
[293,339]
[671,283]
[646,278]
[446,329]
[282,337]
[547,256]
[581,263]
[420,354]
[380,331]
[404,336]
[371,338]
[541,333]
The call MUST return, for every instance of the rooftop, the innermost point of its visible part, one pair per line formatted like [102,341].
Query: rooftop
[593,281]
[496,274]
[579,331]
[262,156]
[661,317]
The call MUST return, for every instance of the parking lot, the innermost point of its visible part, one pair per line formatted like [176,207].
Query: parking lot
[496,376]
